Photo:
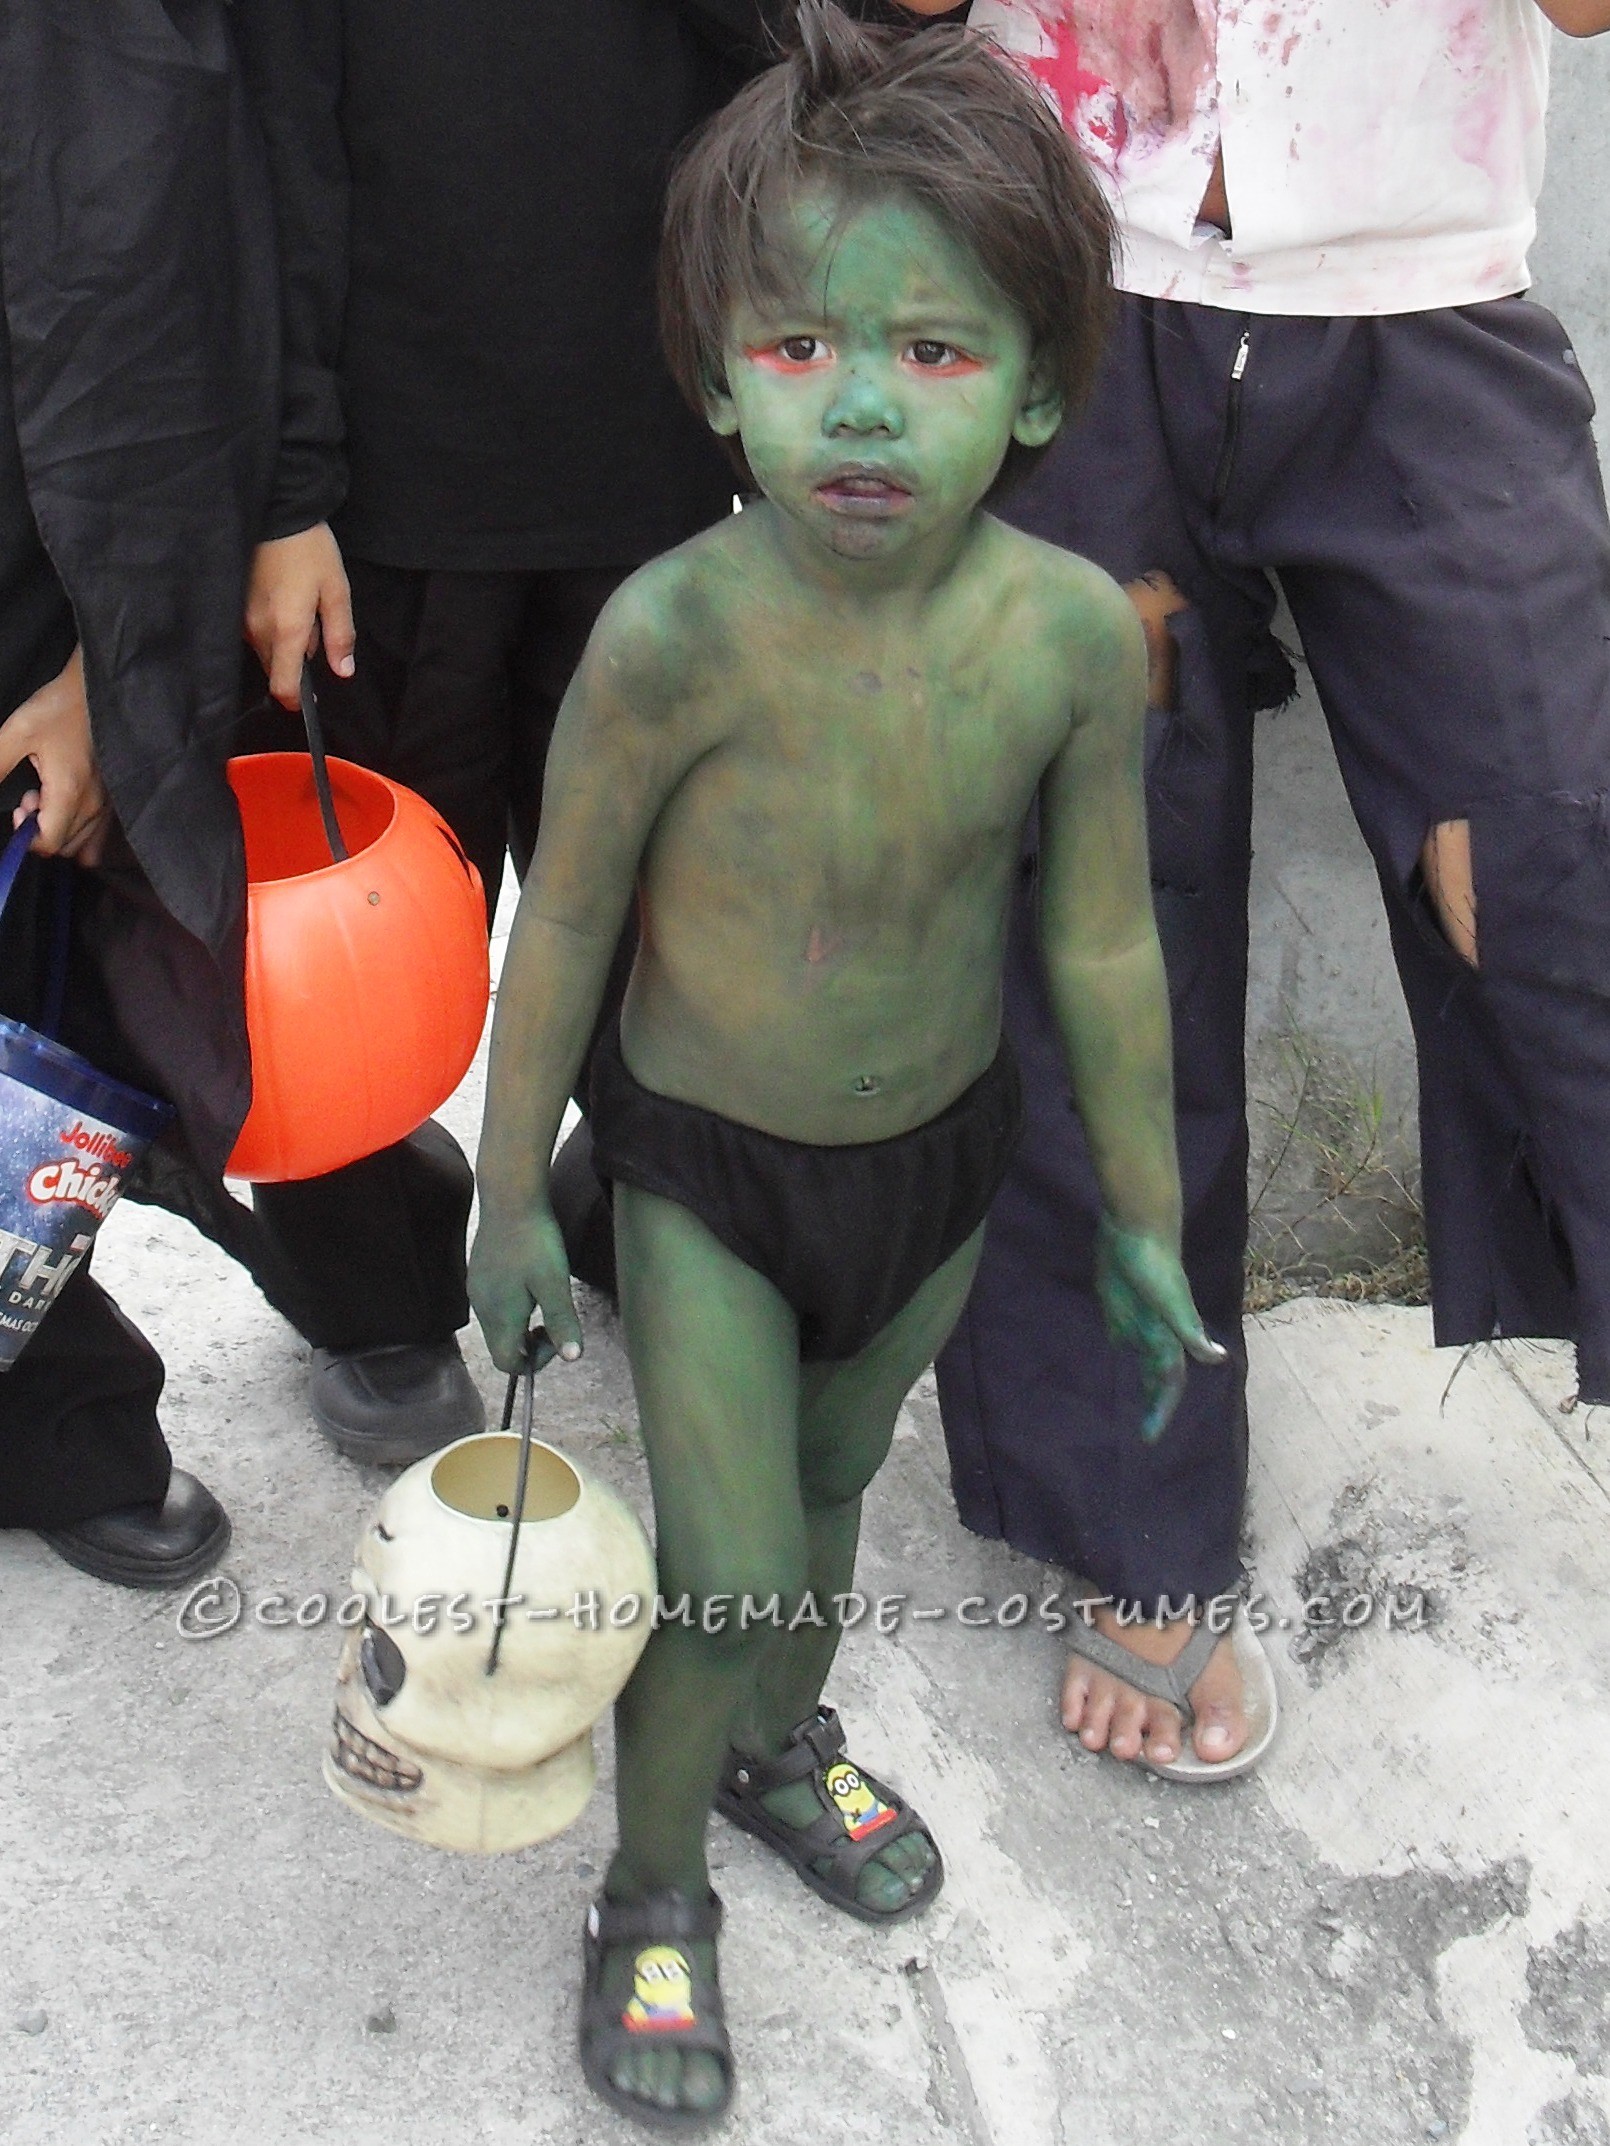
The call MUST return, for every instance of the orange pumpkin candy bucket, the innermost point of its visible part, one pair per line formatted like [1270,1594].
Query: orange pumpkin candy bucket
[366,960]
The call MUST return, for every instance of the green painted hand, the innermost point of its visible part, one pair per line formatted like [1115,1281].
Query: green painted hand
[1149,1308]
[519,1268]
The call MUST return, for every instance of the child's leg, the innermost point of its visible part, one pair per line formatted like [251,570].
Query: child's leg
[847,1419]
[715,1361]
[714,1355]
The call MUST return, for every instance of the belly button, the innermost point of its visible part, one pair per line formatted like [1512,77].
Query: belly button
[867,1084]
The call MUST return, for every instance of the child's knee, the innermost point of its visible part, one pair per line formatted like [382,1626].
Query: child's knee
[839,1478]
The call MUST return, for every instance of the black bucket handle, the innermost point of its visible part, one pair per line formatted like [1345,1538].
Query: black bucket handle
[321,772]
[539,1351]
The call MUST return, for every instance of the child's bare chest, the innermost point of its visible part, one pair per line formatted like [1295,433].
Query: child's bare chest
[854,800]
[864,758]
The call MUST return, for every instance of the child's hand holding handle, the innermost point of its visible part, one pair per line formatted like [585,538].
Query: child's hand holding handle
[519,1267]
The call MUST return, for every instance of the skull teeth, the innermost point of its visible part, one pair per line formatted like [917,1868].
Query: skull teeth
[370,1764]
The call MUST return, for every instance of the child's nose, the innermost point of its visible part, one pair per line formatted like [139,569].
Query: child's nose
[864,405]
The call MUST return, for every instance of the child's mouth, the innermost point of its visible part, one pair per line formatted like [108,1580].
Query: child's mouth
[867,495]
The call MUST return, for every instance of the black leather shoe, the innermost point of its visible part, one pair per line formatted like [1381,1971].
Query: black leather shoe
[394,1404]
[149,1545]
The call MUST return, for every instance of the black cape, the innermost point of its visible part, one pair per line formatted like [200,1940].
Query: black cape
[137,262]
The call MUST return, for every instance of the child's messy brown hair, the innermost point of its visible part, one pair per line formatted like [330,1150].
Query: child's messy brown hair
[936,114]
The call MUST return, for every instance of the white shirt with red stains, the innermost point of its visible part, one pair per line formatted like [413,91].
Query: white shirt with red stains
[1381,156]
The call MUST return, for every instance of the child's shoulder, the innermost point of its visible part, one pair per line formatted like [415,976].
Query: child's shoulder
[1073,600]
[1087,633]
[660,632]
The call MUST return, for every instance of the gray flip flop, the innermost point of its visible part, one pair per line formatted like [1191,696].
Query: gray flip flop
[1172,1682]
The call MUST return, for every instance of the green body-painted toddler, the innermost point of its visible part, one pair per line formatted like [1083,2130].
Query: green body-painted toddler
[811,738]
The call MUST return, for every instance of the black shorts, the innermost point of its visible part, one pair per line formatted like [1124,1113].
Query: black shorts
[846,1235]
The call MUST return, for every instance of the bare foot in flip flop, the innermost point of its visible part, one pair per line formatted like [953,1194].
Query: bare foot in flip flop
[1109,1715]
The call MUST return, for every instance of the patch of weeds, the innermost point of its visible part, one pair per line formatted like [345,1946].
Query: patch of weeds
[1335,1206]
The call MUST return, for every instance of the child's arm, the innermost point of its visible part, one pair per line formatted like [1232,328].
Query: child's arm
[1104,969]
[622,743]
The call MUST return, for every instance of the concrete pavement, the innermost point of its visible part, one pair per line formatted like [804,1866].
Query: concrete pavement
[1398,1930]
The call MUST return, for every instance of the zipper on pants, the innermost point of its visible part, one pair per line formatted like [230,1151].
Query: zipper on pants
[1232,422]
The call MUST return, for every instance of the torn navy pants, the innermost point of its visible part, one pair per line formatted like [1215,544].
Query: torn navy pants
[1426,491]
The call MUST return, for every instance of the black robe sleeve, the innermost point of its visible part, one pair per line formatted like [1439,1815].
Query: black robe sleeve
[293,63]
[137,265]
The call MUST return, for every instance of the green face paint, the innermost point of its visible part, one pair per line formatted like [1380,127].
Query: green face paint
[877,397]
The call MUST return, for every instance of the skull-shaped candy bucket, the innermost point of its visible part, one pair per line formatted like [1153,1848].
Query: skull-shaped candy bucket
[451,1729]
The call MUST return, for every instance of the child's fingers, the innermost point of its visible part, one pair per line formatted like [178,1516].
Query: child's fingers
[335,623]
[1186,1322]
[559,1317]
[1160,1324]
[1121,1309]
[507,1355]
[504,1329]
[1173,1303]
[288,644]
[1203,1348]
[1165,1382]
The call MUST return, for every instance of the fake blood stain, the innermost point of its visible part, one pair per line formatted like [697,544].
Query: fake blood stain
[1131,67]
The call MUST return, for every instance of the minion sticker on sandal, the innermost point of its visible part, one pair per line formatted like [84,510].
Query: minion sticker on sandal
[855,1803]
[662,1992]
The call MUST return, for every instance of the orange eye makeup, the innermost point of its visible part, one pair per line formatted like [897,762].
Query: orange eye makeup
[942,360]
[792,354]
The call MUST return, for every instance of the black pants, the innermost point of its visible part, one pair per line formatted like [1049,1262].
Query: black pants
[459,678]
[1427,490]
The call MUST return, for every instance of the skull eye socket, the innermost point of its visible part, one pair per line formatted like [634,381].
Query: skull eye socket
[381,1660]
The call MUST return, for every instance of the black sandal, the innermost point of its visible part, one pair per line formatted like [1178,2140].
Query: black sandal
[673,2000]
[859,1816]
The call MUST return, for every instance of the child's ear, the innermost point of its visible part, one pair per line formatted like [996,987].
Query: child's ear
[1039,416]
[721,412]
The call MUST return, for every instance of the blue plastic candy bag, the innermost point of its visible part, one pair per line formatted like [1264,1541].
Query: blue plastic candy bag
[69,1135]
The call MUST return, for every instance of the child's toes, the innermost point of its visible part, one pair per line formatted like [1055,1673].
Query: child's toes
[896,1873]
[881,1888]
[663,2078]
[629,2073]
[704,2083]
[912,1855]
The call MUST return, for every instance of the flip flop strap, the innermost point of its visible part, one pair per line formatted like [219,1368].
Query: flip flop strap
[1169,1681]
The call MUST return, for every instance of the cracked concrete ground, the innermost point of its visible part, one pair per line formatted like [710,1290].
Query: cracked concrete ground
[1398,1930]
